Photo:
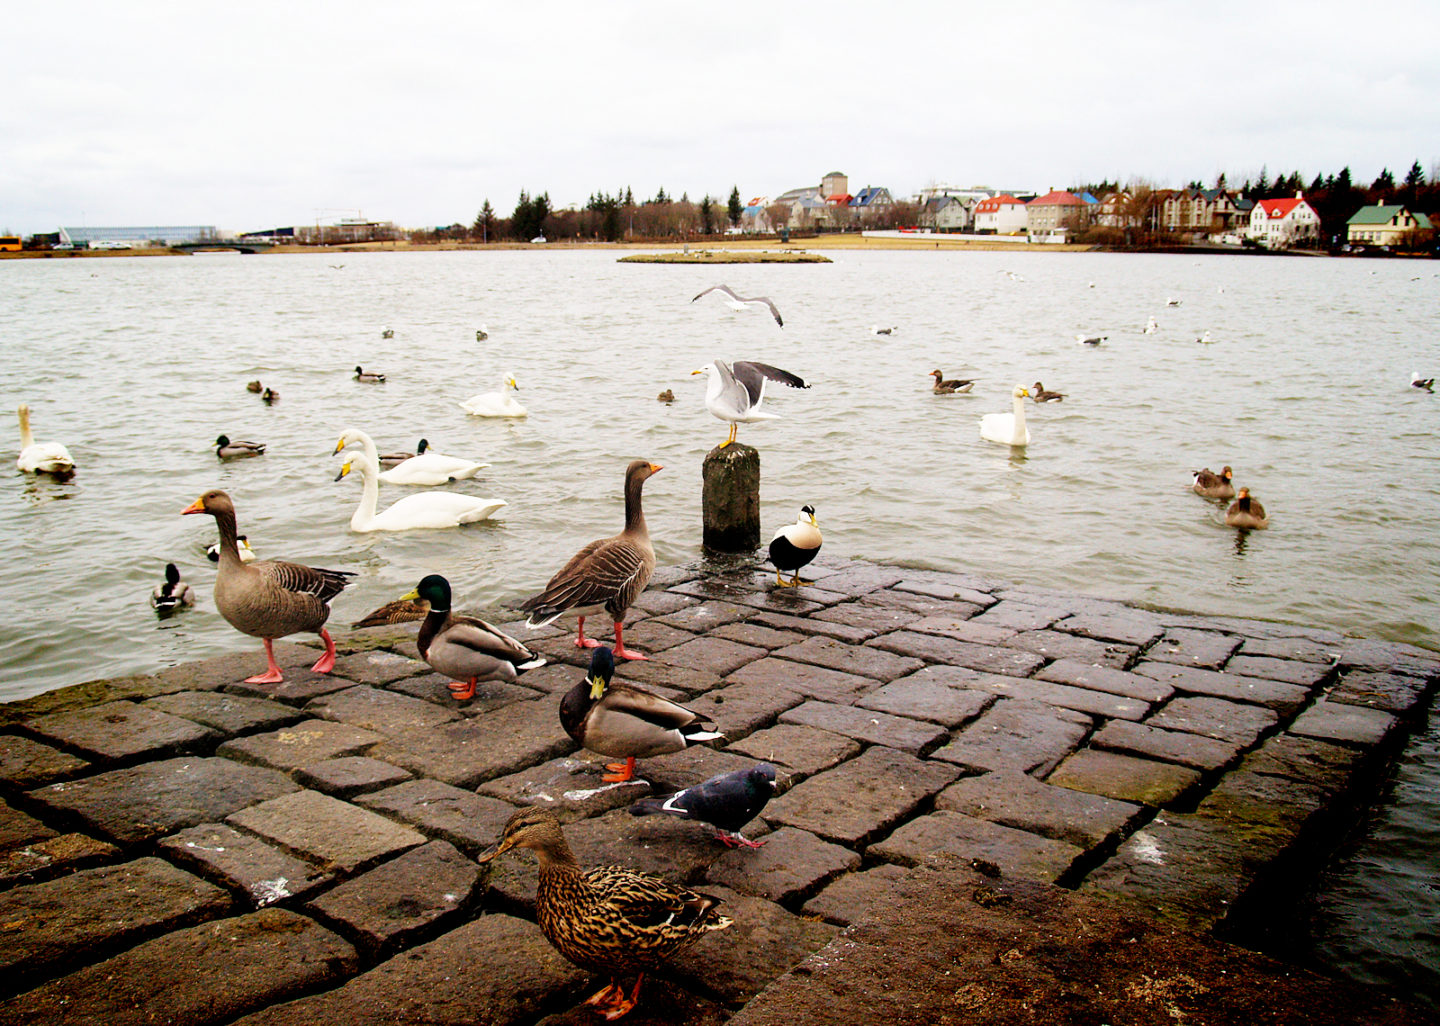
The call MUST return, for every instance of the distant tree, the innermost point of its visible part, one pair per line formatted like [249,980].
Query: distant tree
[1342,180]
[1262,184]
[1318,184]
[1384,182]
[660,197]
[735,209]
[707,215]
[629,200]
[484,221]
[521,219]
[541,212]
[1220,181]
[778,214]
[1414,182]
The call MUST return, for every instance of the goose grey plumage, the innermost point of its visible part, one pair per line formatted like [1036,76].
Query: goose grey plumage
[607,574]
[949,386]
[238,449]
[1040,395]
[1247,513]
[269,599]
[1213,486]
[466,648]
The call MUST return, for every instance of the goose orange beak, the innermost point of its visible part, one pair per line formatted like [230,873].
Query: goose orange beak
[198,506]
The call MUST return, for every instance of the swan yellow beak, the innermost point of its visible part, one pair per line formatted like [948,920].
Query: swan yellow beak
[512,384]
[344,470]
[338,446]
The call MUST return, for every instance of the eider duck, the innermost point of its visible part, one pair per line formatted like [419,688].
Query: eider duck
[794,546]
[247,554]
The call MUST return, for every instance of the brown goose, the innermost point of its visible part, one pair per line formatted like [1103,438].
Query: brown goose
[1040,395]
[607,574]
[1247,513]
[269,599]
[1213,486]
[949,386]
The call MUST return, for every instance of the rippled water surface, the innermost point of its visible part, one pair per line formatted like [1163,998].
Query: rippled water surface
[137,364]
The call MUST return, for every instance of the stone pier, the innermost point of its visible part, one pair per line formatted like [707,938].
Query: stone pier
[997,804]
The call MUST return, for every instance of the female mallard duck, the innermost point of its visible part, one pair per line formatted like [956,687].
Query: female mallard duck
[1007,428]
[610,921]
[1040,395]
[237,450]
[394,459]
[368,377]
[269,599]
[465,647]
[1213,486]
[173,594]
[253,386]
[496,404]
[1247,513]
[247,554]
[399,611]
[794,545]
[625,721]
[607,574]
[950,386]
[431,468]
[41,457]
[428,509]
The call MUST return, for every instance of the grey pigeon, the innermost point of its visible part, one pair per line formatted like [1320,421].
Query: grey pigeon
[726,802]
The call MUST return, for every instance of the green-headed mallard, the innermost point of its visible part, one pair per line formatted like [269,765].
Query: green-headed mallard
[608,574]
[173,594]
[610,921]
[625,721]
[368,377]
[465,647]
[238,449]
[1247,513]
[269,599]
[795,545]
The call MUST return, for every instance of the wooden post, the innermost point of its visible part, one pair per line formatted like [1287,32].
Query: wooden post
[730,498]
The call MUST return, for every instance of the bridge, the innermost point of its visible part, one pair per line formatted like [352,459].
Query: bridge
[241,245]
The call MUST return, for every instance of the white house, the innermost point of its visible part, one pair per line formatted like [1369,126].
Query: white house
[948,213]
[1280,224]
[1001,215]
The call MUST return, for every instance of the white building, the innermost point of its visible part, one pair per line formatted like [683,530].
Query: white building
[1001,215]
[1280,224]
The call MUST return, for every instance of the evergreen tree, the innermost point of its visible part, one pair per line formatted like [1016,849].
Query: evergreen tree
[707,215]
[521,219]
[1318,184]
[1384,182]
[629,197]
[660,197]
[1415,177]
[1342,180]
[485,221]
[736,210]
[1262,184]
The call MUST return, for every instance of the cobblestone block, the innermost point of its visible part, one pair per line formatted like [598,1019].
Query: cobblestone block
[1020,801]
[326,831]
[1237,723]
[244,863]
[805,679]
[861,579]
[568,787]
[847,899]
[1351,724]
[953,591]
[706,616]
[1193,750]
[300,684]
[141,803]
[346,777]
[1124,777]
[877,728]
[16,828]
[60,923]
[467,754]
[1303,649]
[1015,852]
[657,602]
[662,677]
[227,714]
[1131,627]
[787,601]
[392,904]
[869,618]
[1103,678]
[1396,693]
[860,799]
[808,625]
[384,712]
[301,744]
[1275,803]
[804,751]
[927,695]
[489,694]
[216,672]
[1188,647]
[921,605]
[25,763]
[1019,616]
[1291,671]
[740,709]
[696,764]
[860,659]
[1058,645]
[1330,766]
[937,649]
[378,667]
[52,856]
[757,636]
[723,587]
[1282,697]
[651,636]
[1023,736]
[1095,703]
[793,863]
[713,655]
[122,730]
[961,628]
[469,821]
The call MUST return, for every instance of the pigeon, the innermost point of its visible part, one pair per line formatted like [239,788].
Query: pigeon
[727,802]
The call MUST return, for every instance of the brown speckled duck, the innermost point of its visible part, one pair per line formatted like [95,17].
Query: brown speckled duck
[610,921]
[269,599]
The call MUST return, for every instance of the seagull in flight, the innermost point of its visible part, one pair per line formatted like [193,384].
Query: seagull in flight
[735,391]
[744,302]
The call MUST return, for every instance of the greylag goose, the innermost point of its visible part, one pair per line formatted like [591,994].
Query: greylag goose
[1247,513]
[1008,428]
[466,648]
[744,302]
[734,392]
[40,457]
[607,574]
[1040,395]
[626,722]
[949,386]
[269,599]
[173,593]
[368,377]
[1213,486]
[795,545]
[238,449]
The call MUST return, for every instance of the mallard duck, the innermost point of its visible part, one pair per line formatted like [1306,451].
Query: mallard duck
[607,574]
[368,377]
[1090,340]
[247,554]
[465,647]
[394,459]
[949,386]
[269,396]
[624,721]
[253,386]
[1213,486]
[428,509]
[496,404]
[430,468]
[1008,428]
[238,449]
[1416,381]
[481,334]
[40,457]
[388,333]
[666,396]
[735,391]
[269,599]
[399,611]
[1040,395]
[795,545]
[173,593]
[727,802]
[610,921]
[1247,513]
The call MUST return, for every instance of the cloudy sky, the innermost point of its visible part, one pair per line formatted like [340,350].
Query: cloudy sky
[251,115]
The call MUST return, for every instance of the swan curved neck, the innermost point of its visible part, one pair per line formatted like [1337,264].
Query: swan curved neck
[26,438]
[370,474]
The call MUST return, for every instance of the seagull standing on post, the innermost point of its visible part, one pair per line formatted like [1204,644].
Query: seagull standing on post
[735,391]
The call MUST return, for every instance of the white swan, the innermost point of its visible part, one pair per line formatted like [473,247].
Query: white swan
[431,468]
[1008,428]
[428,509]
[41,457]
[495,404]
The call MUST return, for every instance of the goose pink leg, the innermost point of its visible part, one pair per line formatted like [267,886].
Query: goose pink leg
[272,674]
[621,652]
[581,641]
[327,661]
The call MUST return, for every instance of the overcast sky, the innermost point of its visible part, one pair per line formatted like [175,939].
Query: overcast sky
[258,114]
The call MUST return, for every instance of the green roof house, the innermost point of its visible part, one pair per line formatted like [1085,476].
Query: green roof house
[1382,224]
